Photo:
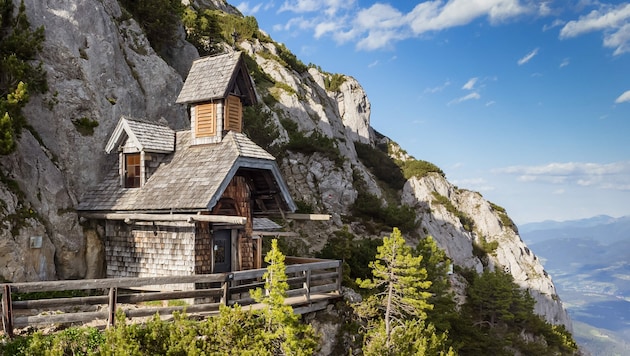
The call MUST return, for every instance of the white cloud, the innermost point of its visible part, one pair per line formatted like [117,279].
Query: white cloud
[245,8]
[438,88]
[323,28]
[373,64]
[565,62]
[381,25]
[625,97]
[555,23]
[476,184]
[612,20]
[615,176]
[490,103]
[470,84]
[528,57]
[471,96]
[432,16]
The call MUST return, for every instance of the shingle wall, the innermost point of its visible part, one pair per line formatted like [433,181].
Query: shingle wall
[146,250]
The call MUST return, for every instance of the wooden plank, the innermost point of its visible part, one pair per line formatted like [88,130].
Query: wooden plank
[58,302]
[322,276]
[153,296]
[314,217]
[275,233]
[312,266]
[82,317]
[307,285]
[249,274]
[7,311]
[227,219]
[111,315]
[143,312]
[331,287]
[106,283]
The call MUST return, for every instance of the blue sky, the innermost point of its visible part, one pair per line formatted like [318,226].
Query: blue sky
[526,102]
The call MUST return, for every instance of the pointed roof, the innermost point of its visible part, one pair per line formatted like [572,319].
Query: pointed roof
[192,179]
[214,77]
[145,135]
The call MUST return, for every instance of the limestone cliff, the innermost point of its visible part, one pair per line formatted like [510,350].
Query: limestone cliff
[100,66]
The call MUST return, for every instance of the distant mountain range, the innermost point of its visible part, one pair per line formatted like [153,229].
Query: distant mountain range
[589,260]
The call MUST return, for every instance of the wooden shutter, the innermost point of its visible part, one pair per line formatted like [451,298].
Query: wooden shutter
[233,113]
[206,120]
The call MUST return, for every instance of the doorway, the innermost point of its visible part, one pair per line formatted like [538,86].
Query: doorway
[222,250]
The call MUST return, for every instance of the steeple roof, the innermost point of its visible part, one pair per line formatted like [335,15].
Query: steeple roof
[214,77]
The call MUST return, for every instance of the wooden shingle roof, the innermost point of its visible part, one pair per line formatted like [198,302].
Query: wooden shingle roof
[214,77]
[145,135]
[193,178]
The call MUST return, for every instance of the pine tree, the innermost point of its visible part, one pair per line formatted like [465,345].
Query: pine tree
[397,310]
[283,332]
[437,264]
[18,48]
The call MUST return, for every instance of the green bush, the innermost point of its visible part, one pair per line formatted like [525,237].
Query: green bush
[290,59]
[203,30]
[159,19]
[20,73]
[315,142]
[85,126]
[381,165]
[356,254]
[245,28]
[418,168]
[505,219]
[261,78]
[333,82]
[369,206]
[467,222]
[258,125]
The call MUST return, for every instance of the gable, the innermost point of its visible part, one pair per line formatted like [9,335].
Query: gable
[142,135]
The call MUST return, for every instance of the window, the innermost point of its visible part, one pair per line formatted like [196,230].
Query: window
[233,114]
[132,170]
[205,123]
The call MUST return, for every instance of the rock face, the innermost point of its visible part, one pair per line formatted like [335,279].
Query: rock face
[100,66]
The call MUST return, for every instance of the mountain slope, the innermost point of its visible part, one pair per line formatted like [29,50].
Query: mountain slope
[100,66]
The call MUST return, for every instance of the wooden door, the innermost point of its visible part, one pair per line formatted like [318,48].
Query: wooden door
[222,250]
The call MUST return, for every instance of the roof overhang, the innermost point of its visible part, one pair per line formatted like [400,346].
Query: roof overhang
[258,164]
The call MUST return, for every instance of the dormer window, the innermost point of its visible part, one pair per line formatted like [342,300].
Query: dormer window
[140,145]
[132,170]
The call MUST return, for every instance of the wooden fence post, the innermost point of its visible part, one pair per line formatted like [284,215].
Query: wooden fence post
[307,284]
[113,297]
[7,311]
[339,276]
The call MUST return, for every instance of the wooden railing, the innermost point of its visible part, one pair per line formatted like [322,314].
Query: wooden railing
[312,283]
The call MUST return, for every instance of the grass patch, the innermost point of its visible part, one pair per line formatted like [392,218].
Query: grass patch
[465,220]
[85,126]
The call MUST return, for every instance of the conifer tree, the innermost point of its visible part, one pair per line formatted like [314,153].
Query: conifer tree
[397,309]
[437,264]
[283,332]
[19,46]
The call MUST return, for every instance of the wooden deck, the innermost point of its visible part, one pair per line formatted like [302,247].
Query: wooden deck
[313,283]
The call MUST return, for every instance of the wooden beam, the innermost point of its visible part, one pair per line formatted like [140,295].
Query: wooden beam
[315,217]
[275,233]
[129,217]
